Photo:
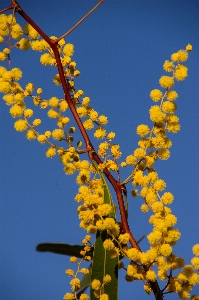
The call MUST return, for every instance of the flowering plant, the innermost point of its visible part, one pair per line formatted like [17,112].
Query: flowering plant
[103,166]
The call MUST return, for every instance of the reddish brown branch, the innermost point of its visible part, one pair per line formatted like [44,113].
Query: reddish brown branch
[116,185]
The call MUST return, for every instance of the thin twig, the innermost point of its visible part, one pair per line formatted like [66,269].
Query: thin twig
[78,23]
[5,9]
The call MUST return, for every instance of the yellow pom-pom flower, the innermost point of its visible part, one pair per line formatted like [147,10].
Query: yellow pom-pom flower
[179,56]
[166,82]
[172,95]
[41,138]
[36,122]
[168,66]
[51,152]
[100,133]
[142,130]
[16,111]
[195,249]
[156,95]
[31,135]
[189,47]
[28,113]
[151,275]
[20,125]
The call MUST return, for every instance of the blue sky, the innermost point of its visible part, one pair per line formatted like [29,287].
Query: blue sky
[120,50]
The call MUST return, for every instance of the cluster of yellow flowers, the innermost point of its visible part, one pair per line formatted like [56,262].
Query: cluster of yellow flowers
[15,96]
[75,282]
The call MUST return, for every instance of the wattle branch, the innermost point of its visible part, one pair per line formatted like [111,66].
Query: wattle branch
[89,147]
[118,187]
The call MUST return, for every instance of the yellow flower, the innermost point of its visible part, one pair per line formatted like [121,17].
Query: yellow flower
[93,115]
[103,120]
[156,115]
[82,111]
[39,91]
[47,134]
[111,136]
[24,44]
[6,51]
[107,278]
[28,113]
[63,105]
[157,207]
[142,130]
[133,254]
[151,275]
[85,101]
[16,31]
[68,49]
[2,56]
[30,87]
[75,284]
[168,107]
[20,125]
[139,153]
[68,296]
[181,72]
[181,55]
[29,30]
[147,289]
[165,249]
[99,133]
[154,236]
[144,208]
[73,65]
[88,124]
[52,113]
[167,198]
[83,177]
[159,185]
[124,238]
[172,95]
[51,152]
[95,284]
[36,122]
[69,272]
[195,249]
[84,297]
[16,111]
[189,47]
[164,154]
[104,297]
[30,135]
[54,101]
[166,82]
[73,259]
[41,138]
[58,134]
[76,73]
[108,244]
[168,66]
[195,262]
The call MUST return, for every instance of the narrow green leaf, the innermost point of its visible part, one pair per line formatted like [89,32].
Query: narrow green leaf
[65,249]
[103,264]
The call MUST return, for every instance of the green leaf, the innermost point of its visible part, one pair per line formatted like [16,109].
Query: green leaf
[103,264]
[65,249]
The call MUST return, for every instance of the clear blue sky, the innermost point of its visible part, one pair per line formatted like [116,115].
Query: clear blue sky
[119,50]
